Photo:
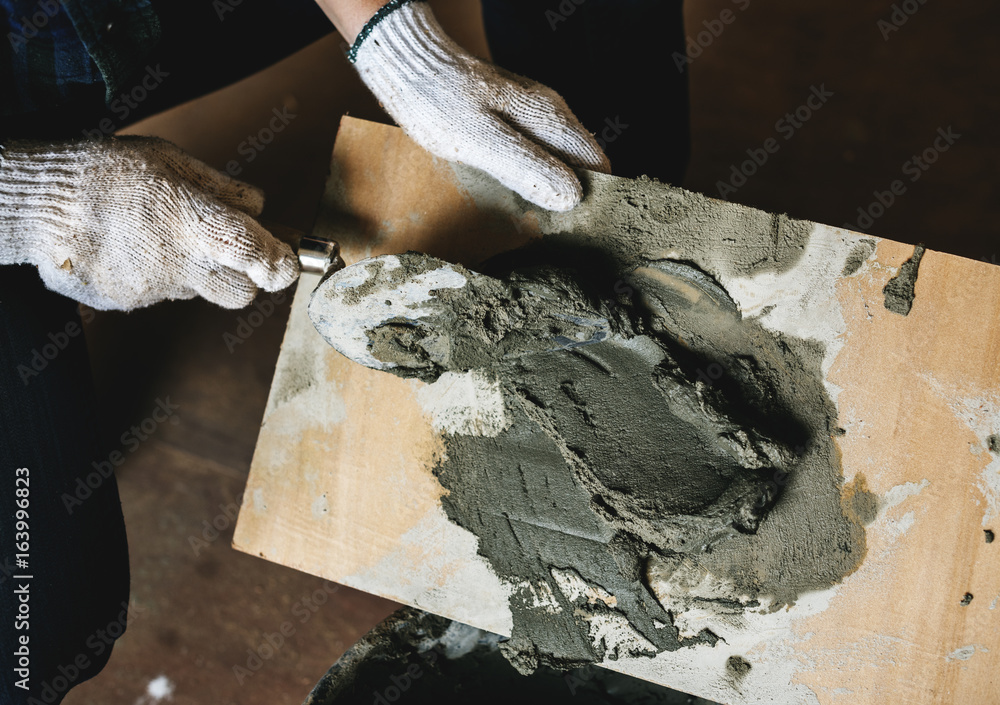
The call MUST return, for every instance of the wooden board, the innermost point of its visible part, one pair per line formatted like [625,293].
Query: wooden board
[341,483]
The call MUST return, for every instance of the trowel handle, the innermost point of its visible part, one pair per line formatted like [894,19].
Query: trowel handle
[318,255]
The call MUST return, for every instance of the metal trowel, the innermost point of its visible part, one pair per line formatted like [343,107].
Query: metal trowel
[416,307]
[419,316]
[317,255]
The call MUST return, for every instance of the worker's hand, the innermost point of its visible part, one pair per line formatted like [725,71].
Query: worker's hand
[122,223]
[466,110]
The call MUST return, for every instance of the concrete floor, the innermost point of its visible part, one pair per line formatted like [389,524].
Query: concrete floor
[201,606]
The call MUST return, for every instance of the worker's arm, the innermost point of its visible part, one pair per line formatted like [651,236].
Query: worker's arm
[349,16]
[125,222]
[464,109]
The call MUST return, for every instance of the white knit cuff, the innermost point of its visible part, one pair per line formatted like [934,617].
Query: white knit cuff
[38,187]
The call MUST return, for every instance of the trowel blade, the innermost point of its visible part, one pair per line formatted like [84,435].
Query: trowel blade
[425,315]
[683,300]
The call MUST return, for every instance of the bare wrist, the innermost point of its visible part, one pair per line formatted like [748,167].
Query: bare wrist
[350,16]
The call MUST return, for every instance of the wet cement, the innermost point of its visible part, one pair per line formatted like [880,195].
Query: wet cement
[680,461]
[858,256]
[900,290]
[629,221]
[738,666]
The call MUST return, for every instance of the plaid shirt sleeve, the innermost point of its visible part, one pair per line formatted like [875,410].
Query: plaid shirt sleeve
[52,50]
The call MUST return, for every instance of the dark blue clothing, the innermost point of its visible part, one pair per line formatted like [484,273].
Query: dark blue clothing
[55,52]
[42,57]
[76,550]
[190,48]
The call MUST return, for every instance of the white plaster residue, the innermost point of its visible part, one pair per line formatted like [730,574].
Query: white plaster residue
[698,599]
[464,403]
[695,619]
[898,494]
[893,526]
[300,384]
[570,584]
[619,637]
[576,589]
[767,643]
[353,277]
[320,507]
[347,322]
[989,485]
[157,690]
[538,596]
[802,301]
[609,629]
[391,262]
[431,564]
[965,653]
[982,414]
[896,528]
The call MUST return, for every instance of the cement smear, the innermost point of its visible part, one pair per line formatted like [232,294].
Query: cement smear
[664,465]
[900,290]
[629,221]
[858,256]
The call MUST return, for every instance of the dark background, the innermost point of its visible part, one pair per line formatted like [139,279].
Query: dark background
[939,69]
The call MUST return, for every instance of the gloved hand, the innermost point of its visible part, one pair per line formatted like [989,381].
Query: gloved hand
[466,110]
[125,222]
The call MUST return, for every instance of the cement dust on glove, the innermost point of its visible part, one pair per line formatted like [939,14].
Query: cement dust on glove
[126,222]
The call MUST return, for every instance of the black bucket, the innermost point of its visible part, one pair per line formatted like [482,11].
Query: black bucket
[416,658]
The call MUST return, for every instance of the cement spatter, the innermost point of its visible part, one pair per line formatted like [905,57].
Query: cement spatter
[862,251]
[900,290]
[626,499]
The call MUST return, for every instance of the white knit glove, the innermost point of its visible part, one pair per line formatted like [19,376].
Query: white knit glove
[125,222]
[466,110]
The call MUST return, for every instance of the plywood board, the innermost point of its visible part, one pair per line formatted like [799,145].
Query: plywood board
[341,484]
